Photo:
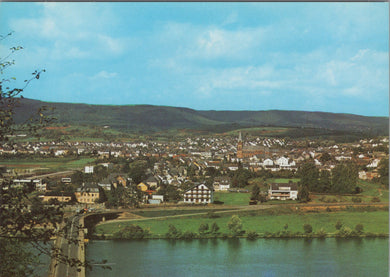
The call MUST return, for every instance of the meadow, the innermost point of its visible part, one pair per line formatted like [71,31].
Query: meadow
[375,222]
[46,164]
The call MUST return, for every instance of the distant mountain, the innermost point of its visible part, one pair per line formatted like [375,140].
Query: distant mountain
[158,118]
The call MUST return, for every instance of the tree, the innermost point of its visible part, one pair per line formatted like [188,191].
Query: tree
[214,228]
[235,225]
[255,195]
[20,223]
[307,228]
[203,228]
[137,170]
[303,193]
[324,182]
[309,176]
[344,178]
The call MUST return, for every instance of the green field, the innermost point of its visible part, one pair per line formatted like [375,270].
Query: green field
[374,222]
[47,164]
[232,198]
[370,190]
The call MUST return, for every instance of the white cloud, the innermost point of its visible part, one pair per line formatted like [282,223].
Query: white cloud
[105,75]
[72,31]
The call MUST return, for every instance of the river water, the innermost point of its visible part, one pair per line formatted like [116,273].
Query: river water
[263,257]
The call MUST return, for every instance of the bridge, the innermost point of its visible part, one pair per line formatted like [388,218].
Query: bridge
[75,232]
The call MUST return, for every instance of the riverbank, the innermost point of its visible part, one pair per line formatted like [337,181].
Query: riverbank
[275,223]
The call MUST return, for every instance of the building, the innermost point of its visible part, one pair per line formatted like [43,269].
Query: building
[244,151]
[60,196]
[222,183]
[199,193]
[87,193]
[283,191]
[88,169]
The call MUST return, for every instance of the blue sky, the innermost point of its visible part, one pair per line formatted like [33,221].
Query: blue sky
[331,57]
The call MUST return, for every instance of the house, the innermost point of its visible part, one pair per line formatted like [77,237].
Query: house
[60,196]
[283,191]
[88,169]
[87,193]
[222,184]
[268,162]
[142,186]
[152,181]
[199,193]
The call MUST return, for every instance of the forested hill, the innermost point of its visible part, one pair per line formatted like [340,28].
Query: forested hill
[156,118]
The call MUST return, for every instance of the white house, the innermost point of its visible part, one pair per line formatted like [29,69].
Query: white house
[88,169]
[282,161]
[199,193]
[374,163]
[268,162]
[283,191]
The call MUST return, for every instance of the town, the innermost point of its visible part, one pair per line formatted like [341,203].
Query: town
[131,174]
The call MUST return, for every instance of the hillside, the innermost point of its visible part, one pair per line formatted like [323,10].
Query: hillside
[150,118]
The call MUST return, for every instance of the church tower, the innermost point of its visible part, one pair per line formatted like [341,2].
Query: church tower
[239,147]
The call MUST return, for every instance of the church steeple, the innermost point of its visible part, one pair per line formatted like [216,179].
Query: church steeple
[239,147]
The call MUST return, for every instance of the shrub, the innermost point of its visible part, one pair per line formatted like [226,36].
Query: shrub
[359,228]
[345,232]
[338,225]
[375,199]
[173,232]
[188,235]
[252,235]
[307,228]
[214,228]
[235,225]
[321,233]
[356,199]
[131,232]
[203,228]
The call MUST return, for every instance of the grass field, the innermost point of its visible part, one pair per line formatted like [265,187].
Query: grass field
[232,198]
[50,164]
[374,222]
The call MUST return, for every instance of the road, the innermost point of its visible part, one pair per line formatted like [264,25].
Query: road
[71,250]
[51,174]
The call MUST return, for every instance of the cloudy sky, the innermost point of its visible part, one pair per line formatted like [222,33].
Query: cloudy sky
[330,57]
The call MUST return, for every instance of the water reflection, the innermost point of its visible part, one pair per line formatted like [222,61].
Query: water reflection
[240,257]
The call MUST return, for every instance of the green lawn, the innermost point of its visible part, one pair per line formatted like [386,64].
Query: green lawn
[370,190]
[49,164]
[374,222]
[232,198]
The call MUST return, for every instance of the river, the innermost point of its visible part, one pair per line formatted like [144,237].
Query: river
[241,257]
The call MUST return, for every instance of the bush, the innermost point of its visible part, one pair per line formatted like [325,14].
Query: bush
[188,235]
[214,228]
[252,235]
[321,233]
[203,228]
[359,228]
[173,232]
[345,232]
[235,225]
[375,199]
[356,199]
[131,232]
[307,228]
[338,225]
